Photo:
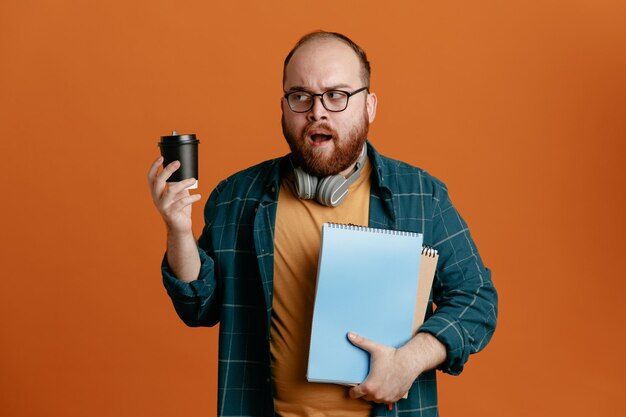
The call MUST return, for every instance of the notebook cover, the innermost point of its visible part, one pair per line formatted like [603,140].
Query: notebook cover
[367,283]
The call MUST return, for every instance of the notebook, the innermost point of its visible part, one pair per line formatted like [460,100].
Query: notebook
[367,283]
[428,265]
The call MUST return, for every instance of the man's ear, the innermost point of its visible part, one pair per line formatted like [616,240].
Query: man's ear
[371,103]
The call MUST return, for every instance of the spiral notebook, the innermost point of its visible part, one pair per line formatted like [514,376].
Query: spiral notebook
[367,283]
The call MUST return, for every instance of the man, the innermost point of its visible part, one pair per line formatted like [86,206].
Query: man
[253,268]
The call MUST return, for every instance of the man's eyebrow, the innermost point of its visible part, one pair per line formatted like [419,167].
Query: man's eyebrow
[296,88]
[329,88]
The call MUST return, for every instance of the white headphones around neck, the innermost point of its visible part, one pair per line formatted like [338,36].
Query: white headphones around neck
[329,191]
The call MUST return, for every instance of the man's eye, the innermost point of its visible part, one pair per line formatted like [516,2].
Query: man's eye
[301,97]
[335,95]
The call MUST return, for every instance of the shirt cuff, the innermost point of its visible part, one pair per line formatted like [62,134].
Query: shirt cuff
[179,290]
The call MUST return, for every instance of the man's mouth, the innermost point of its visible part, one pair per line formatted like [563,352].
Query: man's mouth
[320,138]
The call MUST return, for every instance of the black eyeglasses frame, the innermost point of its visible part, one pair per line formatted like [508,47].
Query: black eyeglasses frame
[321,96]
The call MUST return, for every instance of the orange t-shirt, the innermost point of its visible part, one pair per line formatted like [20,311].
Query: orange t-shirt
[296,251]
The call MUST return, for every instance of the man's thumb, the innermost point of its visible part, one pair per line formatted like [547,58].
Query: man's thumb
[360,341]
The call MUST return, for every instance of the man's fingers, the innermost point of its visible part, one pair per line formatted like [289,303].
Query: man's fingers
[360,391]
[362,342]
[185,201]
[153,169]
[168,171]
[367,394]
[175,191]
[356,392]
[175,188]
[155,188]
[152,173]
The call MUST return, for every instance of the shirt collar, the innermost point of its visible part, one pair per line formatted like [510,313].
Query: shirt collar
[382,172]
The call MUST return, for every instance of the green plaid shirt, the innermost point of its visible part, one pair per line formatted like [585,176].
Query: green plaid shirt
[235,284]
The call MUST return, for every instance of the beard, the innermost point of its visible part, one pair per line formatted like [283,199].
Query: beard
[315,161]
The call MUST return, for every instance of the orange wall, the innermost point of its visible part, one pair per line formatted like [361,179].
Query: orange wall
[518,106]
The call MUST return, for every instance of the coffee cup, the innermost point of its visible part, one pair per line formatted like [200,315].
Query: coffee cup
[183,148]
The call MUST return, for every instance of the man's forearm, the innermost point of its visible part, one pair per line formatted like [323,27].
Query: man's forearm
[423,353]
[182,256]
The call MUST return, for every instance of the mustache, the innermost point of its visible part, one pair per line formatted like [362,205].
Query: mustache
[319,126]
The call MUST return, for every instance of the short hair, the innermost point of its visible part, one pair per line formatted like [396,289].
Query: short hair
[320,34]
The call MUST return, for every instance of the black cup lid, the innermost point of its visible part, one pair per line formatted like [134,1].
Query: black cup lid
[176,139]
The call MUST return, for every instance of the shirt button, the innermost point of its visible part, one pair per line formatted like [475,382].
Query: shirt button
[273,189]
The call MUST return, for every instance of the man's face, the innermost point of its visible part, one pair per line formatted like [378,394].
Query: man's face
[324,142]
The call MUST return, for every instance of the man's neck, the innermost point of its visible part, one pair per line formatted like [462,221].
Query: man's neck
[348,171]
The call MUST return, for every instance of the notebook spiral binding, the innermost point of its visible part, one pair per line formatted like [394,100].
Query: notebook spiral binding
[350,226]
[429,251]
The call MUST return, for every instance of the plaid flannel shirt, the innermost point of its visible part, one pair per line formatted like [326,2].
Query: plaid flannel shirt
[235,286]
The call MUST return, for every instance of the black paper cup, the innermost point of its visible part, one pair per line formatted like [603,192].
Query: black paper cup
[183,148]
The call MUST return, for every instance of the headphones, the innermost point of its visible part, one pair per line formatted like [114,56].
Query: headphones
[328,191]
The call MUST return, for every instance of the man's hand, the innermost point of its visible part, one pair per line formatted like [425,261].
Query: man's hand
[389,378]
[172,200]
[392,371]
[174,203]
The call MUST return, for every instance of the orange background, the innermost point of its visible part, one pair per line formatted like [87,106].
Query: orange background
[519,107]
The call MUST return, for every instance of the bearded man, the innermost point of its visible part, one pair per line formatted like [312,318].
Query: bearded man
[254,267]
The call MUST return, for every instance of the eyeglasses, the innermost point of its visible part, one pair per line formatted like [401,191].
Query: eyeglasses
[332,100]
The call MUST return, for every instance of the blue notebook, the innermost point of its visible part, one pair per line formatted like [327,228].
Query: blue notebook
[367,283]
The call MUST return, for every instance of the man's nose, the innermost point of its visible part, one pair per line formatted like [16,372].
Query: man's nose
[318,111]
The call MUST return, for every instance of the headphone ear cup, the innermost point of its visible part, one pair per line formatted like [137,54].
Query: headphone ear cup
[306,185]
[329,191]
[332,190]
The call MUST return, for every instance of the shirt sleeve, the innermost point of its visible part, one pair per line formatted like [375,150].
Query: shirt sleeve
[193,301]
[466,300]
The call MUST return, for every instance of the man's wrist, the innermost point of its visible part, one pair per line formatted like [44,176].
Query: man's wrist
[179,235]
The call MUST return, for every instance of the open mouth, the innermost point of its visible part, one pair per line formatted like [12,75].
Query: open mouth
[320,138]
